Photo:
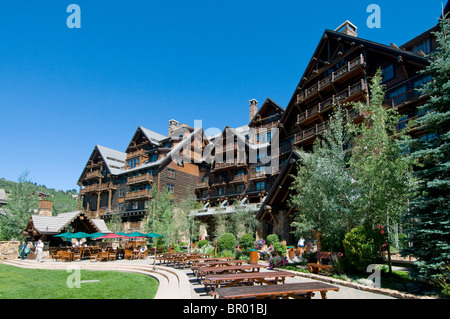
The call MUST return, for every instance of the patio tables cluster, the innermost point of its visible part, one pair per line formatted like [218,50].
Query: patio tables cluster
[226,277]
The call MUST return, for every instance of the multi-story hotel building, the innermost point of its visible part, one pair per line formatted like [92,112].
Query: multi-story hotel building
[237,167]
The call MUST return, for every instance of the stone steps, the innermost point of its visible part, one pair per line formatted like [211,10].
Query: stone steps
[173,284]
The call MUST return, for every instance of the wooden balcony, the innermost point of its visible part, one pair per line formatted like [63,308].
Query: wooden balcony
[352,92]
[202,185]
[239,179]
[143,178]
[138,153]
[98,187]
[228,165]
[94,174]
[344,72]
[140,194]
[261,175]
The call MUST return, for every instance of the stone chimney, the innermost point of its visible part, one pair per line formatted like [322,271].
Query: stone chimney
[45,207]
[173,125]
[348,28]
[253,108]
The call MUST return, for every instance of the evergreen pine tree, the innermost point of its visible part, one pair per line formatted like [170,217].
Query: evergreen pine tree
[429,212]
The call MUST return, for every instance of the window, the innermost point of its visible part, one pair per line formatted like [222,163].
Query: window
[240,172]
[154,158]
[135,205]
[260,186]
[170,188]
[133,162]
[122,192]
[387,73]
[240,188]
[419,83]
[170,173]
[424,46]
[221,191]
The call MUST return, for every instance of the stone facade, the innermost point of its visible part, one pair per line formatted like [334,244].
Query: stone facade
[9,249]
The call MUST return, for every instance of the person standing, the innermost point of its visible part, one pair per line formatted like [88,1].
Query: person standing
[22,250]
[301,245]
[39,249]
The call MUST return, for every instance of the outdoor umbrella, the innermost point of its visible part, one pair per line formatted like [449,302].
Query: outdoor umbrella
[80,235]
[136,234]
[153,235]
[110,236]
[65,235]
[95,235]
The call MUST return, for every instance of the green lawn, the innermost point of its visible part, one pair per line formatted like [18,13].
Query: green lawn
[20,283]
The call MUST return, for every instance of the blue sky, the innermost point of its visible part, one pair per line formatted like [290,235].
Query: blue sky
[62,91]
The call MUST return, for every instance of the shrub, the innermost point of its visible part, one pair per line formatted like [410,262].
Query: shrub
[272,239]
[202,243]
[226,241]
[226,253]
[362,247]
[259,244]
[280,247]
[246,242]
[278,262]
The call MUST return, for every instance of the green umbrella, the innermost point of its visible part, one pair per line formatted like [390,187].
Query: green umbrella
[95,235]
[153,235]
[80,235]
[65,235]
[122,233]
[136,234]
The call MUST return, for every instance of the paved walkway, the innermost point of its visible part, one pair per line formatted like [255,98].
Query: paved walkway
[178,283]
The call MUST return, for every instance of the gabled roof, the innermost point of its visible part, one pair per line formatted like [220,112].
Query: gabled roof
[152,137]
[268,105]
[114,160]
[355,41]
[55,224]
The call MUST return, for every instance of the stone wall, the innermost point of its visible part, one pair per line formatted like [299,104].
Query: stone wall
[9,250]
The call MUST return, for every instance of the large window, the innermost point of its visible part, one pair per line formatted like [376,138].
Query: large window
[240,188]
[170,188]
[133,162]
[260,186]
[424,46]
[388,73]
[221,191]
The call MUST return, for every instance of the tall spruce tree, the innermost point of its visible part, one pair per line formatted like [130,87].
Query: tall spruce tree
[429,212]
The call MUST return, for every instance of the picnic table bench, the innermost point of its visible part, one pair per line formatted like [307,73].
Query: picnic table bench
[320,256]
[229,280]
[294,290]
[218,263]
[204,271]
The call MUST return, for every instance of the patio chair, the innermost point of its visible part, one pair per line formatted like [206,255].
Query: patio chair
[66,255]
[93,256]
[112,255]
[103,255]
[128,254]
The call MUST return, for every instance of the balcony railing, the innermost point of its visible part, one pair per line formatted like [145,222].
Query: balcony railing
[202,184]
[143,193]
[333,77]
[258,175]
[231,164]
[349,92]
[98,187]
[239,179]
[140,152]
[143,178]
[94,174]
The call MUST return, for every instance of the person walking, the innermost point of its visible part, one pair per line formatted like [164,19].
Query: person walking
[39,249]
[22,250]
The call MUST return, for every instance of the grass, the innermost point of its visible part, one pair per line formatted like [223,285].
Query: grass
[19,283]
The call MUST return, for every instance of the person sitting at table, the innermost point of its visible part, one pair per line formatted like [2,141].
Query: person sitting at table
[265,253]
[141,251]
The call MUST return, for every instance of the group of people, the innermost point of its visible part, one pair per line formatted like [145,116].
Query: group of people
[266,252]
[25,249]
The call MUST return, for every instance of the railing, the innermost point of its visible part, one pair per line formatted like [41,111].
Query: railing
[258,175]
[94,174]
[350,91]
[334,76]
[137,153]
[143,193]
[239,179]
[203,184]
[98,187]
[140,179]
[224,165]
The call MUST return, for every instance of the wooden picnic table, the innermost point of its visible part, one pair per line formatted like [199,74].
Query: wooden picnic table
[203,271]
[198,265]
[294,290]
[262,277]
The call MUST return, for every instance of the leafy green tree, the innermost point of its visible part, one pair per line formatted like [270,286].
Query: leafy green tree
[378,163]
[115,223]
[21,204]
[429,232]
[160,214]
[323,192]
[243,221]
[187,223]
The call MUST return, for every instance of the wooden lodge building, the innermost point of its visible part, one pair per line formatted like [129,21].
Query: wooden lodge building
[222,171]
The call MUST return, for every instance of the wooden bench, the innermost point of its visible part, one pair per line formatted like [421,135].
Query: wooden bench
[320,256]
